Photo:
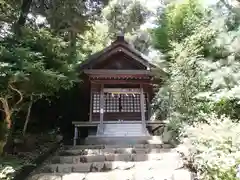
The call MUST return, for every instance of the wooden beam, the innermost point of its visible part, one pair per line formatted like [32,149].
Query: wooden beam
[91,104]
[95,123]
[117,72]
[149,111]
[101,107]
[122,90]
[142,105]
[121,81]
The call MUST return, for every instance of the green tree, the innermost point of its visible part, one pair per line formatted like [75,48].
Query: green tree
[177,21]
[116,18]
[69,18]
[33,67]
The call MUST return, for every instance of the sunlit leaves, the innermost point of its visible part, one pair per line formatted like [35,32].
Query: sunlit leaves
[177,22]
[214,146]
[38,63]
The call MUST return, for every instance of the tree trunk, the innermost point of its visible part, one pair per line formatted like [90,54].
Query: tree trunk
[28,116]
[7,111]
[72,44]
[9,146]
[25,8]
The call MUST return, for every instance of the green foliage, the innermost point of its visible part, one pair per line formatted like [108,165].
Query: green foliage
[214,146]
[39,62]
[95,39]
[9,165]
[117,17]
[203,79]
[203,65]
[8,11]
[178,21]
[124,16]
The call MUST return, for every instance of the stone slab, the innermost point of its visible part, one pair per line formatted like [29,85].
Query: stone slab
[43,176]
[87,158]
[82,168]
[143,150]
[147,157]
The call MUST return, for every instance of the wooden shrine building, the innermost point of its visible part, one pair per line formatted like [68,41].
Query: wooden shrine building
[120,84]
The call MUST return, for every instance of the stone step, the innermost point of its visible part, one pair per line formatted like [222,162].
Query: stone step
[72,152]
[110,166]
[146,174]
[106,157]
[153,145]
[116,140]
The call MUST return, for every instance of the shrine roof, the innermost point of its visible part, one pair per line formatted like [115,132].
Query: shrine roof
[119,45]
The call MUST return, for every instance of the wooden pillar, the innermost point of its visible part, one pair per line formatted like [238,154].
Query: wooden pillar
[91,105]
[101,108]
[149,111]
[142,99]
[75,136]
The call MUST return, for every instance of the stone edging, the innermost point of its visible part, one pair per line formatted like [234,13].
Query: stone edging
[25,171]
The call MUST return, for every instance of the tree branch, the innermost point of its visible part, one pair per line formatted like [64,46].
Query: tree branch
[19,93]
[7,111]
[2,110]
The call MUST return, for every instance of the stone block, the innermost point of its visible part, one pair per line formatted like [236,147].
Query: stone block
[46,177]
[66,159]
[77,159]
[107,166]
[122,157]
[157,146]
[115,146]
[139,146]
[110,157]
[95,158]
[56,160]
[64,168]
[97,167]
[167,146]
[109,151]
[154,150]
[82,167]
[139,157]
[140,150]
[128,150]
[49,169]
[120,150]
[92,151]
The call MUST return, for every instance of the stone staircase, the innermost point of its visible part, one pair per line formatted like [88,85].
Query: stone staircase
[114,162]
[123,129]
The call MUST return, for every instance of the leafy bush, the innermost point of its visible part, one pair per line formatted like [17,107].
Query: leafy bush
[214,147]
[6,172]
